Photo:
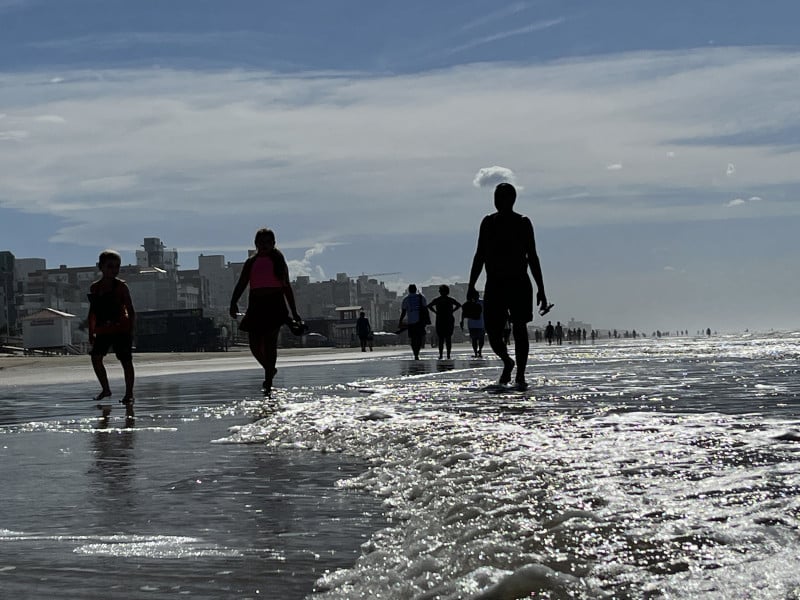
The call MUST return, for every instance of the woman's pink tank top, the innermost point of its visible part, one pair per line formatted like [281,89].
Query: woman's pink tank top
[262,274]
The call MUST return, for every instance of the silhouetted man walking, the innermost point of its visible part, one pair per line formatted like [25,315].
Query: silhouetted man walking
[506,247]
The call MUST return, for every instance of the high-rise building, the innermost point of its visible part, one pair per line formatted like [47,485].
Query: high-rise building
[8,310]
[156,255]
[25,266]
[217,281]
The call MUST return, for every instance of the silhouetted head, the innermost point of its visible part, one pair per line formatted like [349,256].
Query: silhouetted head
[109,263]
[265,239]
[362,314]
[504,197]
[444,290]
[108,255]
[412,289]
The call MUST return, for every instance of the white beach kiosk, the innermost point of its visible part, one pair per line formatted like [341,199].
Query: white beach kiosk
[47,330]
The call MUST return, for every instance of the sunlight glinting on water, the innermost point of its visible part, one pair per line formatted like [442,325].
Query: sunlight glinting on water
[625,470]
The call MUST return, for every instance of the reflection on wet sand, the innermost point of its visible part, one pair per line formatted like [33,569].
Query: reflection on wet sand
[112,474]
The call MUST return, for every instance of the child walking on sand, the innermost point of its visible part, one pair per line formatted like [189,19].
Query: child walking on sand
[111,318]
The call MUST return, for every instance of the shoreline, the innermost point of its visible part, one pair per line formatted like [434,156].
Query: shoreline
[31,370]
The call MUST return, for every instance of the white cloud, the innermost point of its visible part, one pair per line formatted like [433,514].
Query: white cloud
[304,266]
[104,42]
[330,156]
[531,28]
[113,183]
[669,268]
[741,201]
[491,176]
[13,135]
[500,14]
[730,170]
[50,119]
[614,167]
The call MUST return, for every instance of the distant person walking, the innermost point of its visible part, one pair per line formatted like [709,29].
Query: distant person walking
[443,307]
[559,333]
[475,325]
[507,249]
[549,333]
[111,321]
[415,311]
[267,274]
[364,331]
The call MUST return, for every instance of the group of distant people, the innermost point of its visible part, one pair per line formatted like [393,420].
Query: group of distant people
[414,310]
[506,250]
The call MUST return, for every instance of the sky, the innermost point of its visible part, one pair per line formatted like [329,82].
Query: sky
[655,146]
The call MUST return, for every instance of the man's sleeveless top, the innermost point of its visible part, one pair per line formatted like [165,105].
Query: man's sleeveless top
[506,239]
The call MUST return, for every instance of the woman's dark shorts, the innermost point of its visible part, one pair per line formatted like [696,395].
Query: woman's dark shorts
[266,311]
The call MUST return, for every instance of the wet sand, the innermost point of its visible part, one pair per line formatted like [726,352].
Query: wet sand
[27,370]
[110,509]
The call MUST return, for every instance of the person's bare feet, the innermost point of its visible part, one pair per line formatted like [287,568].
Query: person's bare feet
[508,366]
[101,395]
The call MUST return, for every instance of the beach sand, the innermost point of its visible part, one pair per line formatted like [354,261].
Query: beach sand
[28,370]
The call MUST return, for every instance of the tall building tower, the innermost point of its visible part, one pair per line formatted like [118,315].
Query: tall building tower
[156,255]
[8,309]
[154,249]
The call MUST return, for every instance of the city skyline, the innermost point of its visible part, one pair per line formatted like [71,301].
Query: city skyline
[653,146]
[141,264]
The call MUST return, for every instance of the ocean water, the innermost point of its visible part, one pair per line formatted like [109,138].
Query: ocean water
[630,469]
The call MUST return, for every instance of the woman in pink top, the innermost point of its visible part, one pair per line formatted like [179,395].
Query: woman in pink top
[267,274]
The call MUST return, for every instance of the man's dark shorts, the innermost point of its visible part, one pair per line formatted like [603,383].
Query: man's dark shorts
[121,342]
[505,298]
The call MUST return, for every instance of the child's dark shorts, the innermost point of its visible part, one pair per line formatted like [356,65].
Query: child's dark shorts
[121,342]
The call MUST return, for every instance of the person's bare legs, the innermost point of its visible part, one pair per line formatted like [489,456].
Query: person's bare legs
[257,343]
[449,345]
[102,377]
[257,348]
[271,357]
[521,347]
[416,341]
[128,372]
[498,345]
[264,347]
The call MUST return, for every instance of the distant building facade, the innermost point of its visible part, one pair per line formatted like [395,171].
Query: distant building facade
[157,284]
[216,278]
